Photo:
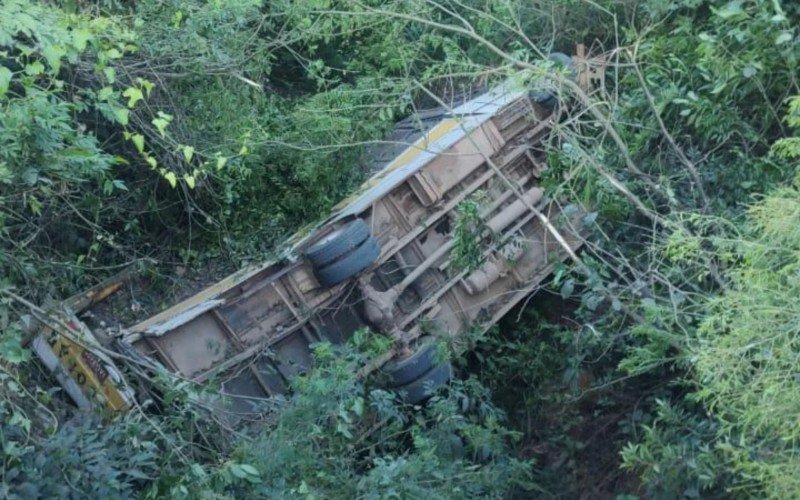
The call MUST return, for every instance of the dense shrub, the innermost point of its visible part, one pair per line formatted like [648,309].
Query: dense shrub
[195,131]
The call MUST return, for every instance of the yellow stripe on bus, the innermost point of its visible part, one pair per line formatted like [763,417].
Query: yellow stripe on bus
[420,146]
[409,154]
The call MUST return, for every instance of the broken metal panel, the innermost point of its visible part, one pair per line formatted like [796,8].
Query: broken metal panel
[292,356]
[270,375]
[265,308]
[181,318]
[338,325]
[414,158]
[243,393]
[196,346]
[459,160]
[230,285]
[47,354]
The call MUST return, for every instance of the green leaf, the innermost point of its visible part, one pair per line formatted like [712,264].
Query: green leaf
[30,176]
[160,124]
[111,74]
[784,37]
[152,162]
[138,141]
[189,180]
[146,84]
[221,161]
[177,18]
[13,352]
[198,471]
[188,153]
[245,471]
[171,178]
[6,177]
[249,469]
[719,88]
[19,419]
[122,115]
[35,68]
[237,471]
[5,80]
[358,406]
[104,93]
[134,95]
[567,288]
[730,10]
[80,38]
[53,55]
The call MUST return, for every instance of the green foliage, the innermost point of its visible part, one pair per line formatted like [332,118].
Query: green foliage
[746,352]
[339,437]
[469,235]
[789,147]
[82,459]
[674,454]
[191,130]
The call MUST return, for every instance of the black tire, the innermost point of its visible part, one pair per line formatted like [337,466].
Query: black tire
[548,98]
[338,243]
[562,59]
[350,265]
[425,386]
[407,370]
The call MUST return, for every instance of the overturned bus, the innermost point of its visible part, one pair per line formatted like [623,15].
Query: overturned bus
[382,260]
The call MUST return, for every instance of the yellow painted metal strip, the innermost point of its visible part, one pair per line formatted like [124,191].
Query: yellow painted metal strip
[94,381]
[419,147]
[409,154]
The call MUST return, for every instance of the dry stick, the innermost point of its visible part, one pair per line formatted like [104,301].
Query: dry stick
[681,156]
[650,214]
[486,15]
[712,267]
[609,128]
